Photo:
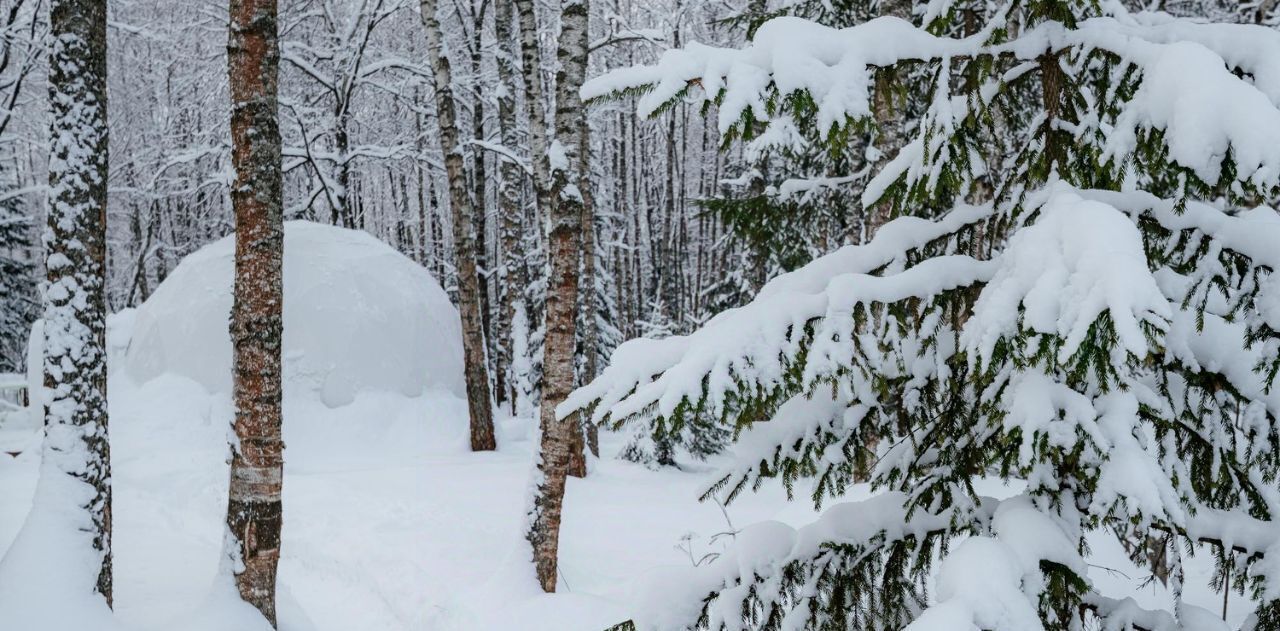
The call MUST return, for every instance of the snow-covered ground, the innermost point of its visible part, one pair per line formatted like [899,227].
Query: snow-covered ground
[391,524]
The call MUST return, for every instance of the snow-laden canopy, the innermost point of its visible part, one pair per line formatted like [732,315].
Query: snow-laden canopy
[357,316]
[1075,296]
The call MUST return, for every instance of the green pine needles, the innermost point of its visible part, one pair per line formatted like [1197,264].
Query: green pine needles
[1074,309]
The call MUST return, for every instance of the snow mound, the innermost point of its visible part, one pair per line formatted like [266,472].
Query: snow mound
[357,316]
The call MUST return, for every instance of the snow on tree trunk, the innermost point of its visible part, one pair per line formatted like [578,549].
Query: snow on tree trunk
[535,103]
[521,363]
[342,214]
[257,457]
[561,438]
[535,250]
[570,195]
[464,238]
[477,228]
[76,449]
[590,333]
[511,276]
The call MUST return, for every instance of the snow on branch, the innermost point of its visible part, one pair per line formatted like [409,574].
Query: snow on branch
[988,580]
[754,344]
[1188,85]
[791,53]
[1079,259]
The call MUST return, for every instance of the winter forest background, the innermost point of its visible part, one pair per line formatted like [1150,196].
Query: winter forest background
[359,150]
[968,308]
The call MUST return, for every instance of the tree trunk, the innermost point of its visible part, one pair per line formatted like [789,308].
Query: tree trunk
[590,334]
[75,359]
[1262,12]
[479,184]
[510,278]
[254,508]
[464,238]
[531,58]
[890,136]
[343,215]
[536,109]
[557,440]
[424,231]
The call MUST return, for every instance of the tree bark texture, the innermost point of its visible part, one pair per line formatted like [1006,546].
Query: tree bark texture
[535,104]
[254,508]
[586,437]
[574,191]
[75,359]
[511,277]
[464,238]
[558,434]
[890,136]
[479,205]
[591,336]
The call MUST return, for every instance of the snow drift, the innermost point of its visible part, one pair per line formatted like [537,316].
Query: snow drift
[357,316]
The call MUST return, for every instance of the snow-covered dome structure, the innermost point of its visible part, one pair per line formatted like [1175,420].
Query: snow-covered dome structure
[357,316]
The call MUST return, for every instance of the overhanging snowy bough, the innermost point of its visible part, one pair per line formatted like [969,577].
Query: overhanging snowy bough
[1100,322]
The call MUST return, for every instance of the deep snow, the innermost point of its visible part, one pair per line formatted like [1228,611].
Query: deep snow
[390,522]
[357,315]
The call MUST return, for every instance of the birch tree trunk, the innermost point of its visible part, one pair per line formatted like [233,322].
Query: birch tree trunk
[464,238]
[591,333]
[342,214]
[536,110]
[575,191]
[558,434]
[1263,11]
[510,278]
[76,451]
[254,509]
[479,184]
[535,103]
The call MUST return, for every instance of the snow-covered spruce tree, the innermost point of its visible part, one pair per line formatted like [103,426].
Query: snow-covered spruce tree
[21,43]
[527,366]
[697,435]
[603,307]
[597,333]
[657,323]
[742,278]
[795,194]
[18,308]
[1075,296]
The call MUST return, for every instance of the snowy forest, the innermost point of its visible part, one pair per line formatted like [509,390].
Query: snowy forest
[639,315]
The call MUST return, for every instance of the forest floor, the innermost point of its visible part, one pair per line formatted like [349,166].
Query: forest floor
[392,524]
